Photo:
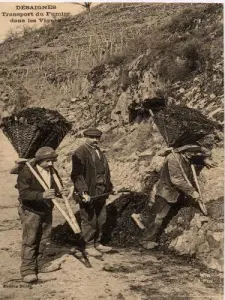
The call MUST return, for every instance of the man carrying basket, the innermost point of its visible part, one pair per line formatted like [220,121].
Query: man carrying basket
[35,211]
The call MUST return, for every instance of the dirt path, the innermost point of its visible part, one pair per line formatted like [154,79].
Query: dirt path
[126,274]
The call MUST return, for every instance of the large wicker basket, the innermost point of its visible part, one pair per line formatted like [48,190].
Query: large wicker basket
[33,128]
[182,125]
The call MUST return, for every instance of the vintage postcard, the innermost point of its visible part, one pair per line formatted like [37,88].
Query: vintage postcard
[112,150]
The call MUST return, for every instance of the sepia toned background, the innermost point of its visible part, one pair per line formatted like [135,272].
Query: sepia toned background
[92,68]
[6,26]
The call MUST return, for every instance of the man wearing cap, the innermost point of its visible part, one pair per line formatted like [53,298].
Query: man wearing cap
[91,177]
[35,211]
[171,186]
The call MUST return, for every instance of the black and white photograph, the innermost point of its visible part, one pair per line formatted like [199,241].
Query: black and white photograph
[112,150]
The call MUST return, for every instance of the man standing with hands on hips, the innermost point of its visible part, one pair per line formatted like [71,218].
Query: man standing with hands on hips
[91,177]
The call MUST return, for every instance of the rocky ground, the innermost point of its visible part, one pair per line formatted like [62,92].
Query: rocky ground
[124,274]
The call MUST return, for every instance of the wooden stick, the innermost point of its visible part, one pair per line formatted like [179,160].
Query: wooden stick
[71,214]
[43,184]
[201,203]
[76,231]
[74,228]
[181,168]
[66,200]
[137,220]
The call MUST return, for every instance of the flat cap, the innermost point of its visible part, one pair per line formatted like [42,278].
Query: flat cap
[92,132]
[45,153]
[189,148]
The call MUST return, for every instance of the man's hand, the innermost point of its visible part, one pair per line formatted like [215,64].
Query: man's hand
[116,190]
[195,195]
[49,194]
[64,192]
[209,163]
[86,198]
[164,151]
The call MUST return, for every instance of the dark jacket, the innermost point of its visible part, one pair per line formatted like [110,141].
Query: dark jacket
[84,171]
[172,182]
[31,192]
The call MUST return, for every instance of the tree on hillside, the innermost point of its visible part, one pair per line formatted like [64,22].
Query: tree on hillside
[86,5]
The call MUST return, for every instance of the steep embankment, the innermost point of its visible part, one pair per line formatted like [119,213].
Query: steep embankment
[92,66]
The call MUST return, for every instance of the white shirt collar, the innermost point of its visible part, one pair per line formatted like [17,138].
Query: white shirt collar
[45,174]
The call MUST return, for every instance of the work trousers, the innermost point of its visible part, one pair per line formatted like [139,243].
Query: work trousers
[36,232]
[158,213]
[93,217]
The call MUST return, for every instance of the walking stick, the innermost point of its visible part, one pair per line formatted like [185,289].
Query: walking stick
[75,229]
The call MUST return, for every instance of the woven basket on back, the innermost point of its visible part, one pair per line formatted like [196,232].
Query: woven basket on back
[182,125]
[33,128]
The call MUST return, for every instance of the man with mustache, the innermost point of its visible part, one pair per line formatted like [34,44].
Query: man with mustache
[35,211]
[91,177]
